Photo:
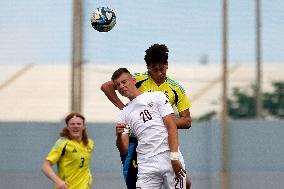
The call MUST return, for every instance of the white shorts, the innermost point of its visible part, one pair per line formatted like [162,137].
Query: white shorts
[157,172]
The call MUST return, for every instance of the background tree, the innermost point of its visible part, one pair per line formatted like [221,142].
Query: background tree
[242,104]
[273,102]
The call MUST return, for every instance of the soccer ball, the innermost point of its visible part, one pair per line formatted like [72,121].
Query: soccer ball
[103,19]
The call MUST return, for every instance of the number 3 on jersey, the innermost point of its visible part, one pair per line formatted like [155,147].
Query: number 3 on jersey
[146,116]
[82,162]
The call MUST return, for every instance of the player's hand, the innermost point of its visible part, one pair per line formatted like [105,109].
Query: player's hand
[63,185]
[178,169]
[120,127]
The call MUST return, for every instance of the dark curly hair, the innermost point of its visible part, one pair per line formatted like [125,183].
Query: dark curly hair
[157,53]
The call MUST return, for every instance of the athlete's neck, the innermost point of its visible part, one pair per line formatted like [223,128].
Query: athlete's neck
[160,81]
[78,139]
[135,94]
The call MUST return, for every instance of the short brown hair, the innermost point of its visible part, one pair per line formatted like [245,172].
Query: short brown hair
[116,74]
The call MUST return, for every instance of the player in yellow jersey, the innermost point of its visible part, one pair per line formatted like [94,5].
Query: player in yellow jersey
[71,152]
[155,79]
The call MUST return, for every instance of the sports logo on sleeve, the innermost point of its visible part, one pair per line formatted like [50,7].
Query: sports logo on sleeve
[151,104]
[166,102]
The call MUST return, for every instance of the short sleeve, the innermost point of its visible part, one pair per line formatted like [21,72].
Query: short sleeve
[183,102]
[91,144]
[163,104]
[56,151]
[122,119]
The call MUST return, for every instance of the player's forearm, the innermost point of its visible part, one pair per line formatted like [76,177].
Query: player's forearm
[172,132]
[48,171]
[173,139]
[122,143]
[109,91]
[184,120]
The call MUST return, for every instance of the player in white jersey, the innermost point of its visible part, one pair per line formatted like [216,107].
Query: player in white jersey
[150,117]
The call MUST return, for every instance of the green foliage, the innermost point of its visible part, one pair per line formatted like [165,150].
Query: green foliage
[273,102]
[243,105]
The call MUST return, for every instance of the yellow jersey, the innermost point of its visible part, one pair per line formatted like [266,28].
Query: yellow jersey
[172,89]
[72,160]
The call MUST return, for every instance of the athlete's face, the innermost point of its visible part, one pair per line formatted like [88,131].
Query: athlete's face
[158,72]
[125,85]
[76,127]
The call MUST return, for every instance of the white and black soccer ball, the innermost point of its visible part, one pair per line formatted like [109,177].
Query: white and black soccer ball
[103,19]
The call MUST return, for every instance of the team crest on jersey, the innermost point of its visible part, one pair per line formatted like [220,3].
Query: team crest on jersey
[166,102]
[74,150]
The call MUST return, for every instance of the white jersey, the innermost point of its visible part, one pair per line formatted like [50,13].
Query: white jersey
[143,115]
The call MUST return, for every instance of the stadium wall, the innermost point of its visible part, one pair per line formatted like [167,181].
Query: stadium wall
[256,154]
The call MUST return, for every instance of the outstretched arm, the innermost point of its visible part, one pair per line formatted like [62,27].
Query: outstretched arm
[109,90]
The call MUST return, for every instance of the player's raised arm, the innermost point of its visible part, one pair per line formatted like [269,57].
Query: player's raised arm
[109,90]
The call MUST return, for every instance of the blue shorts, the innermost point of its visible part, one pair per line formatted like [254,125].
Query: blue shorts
[129,162]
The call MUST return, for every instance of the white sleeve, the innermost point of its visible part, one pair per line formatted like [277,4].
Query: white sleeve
[122,119]
[164,106]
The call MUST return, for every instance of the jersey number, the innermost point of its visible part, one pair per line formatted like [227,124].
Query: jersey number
[179,183]
[82,162]
[146,116]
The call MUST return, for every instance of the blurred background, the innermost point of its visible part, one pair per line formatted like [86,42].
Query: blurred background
[227,54]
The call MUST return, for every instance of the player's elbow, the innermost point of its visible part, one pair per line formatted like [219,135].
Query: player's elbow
[122,149]
[104,87]
[107,87]
[122,144]
[44,168]
[187,122]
